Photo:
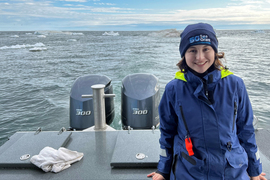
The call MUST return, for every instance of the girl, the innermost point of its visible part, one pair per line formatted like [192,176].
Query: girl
[206,117]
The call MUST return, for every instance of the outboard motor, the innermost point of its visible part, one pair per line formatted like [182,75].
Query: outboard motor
[81,109]
[140,100]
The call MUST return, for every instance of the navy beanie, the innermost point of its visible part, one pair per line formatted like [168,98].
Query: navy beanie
[196,34]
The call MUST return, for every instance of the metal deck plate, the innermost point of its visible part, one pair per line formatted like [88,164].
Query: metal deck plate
[17,152]
[136,149]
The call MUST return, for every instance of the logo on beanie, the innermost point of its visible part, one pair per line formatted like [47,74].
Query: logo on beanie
[200,39]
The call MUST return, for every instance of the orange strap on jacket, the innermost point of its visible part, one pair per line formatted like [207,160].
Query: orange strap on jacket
[187,138]
[189,146]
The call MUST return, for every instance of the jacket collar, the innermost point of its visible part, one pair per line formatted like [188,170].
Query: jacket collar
[197,83]
[190,76]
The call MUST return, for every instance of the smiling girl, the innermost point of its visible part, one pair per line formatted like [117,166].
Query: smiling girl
[206,119]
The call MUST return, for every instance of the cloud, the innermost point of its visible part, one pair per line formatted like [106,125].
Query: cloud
[109,4]
[103,14]
[251,2]
[245,14]
[258,3]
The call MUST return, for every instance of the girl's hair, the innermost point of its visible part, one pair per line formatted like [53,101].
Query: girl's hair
[218,64]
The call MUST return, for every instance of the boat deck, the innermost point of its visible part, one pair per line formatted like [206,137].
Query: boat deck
[107,155]
[100,149]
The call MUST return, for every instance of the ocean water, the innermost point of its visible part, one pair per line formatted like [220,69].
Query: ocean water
[35,83]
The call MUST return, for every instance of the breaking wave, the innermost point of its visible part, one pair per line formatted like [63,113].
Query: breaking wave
[23,46]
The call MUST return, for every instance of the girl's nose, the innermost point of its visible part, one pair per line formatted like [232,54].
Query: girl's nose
[200,55]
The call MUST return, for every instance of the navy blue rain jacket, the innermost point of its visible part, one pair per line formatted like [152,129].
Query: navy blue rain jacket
[219,119]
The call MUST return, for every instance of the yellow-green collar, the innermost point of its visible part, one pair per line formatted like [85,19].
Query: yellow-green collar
[181,76]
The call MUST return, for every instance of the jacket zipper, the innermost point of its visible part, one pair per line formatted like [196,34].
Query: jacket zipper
[205,87]
[184,120]
[234,114]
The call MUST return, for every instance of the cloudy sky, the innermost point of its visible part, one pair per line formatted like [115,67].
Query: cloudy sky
[105,15]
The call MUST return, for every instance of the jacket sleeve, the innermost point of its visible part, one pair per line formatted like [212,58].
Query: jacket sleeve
[168,129]
[246,132]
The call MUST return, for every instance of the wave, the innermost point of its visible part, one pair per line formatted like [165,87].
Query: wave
[79,34]
[41,36]
[14,36]
[71,40]
[111,33]
[35,49]
[23,46]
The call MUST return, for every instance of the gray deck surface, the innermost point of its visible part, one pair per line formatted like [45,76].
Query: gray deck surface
[263,142]
[99,149]
[23,143]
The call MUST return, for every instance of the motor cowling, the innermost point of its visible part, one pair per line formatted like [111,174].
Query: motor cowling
[140,96]
[81,109]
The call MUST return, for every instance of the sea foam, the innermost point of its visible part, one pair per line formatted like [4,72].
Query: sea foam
[22,46]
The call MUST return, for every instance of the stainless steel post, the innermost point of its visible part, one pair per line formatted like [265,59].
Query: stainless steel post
[99,105]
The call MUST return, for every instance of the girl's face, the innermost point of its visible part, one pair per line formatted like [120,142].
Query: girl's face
[200,57]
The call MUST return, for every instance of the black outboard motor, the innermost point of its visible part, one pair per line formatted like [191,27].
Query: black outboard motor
[140,100]
[82,109]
